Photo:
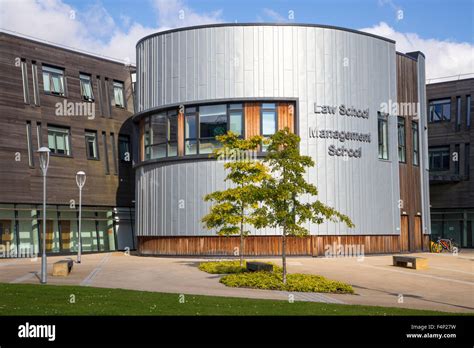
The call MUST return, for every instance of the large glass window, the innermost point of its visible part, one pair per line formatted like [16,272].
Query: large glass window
[236,119]
[58,140]
[163,135]
[190,131]
[118,94]
[383,135]
[212,123]
[268,122]
[86,87]
[439,158]
[416,143]
[440,110]
[53,80]
[91,145]
[401,140]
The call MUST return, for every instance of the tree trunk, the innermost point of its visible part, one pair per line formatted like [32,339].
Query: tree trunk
[283,254]
[241,251]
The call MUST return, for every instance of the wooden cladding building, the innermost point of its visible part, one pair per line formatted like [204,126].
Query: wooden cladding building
[79,106]
[243,78]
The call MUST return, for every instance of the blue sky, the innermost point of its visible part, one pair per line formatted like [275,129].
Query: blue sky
[440,19]
[442,29]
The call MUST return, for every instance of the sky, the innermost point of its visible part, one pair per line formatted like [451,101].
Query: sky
[442,29]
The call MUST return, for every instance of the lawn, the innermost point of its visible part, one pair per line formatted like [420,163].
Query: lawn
[30,299]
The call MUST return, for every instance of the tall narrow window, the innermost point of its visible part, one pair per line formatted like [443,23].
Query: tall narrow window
[401,140]
[59,140]
[456,158]
[458,113]
[107,103]
[158,139]
[24,77]
[172,133]
[212,123]
[106,153]
[86,87]
[114,152]
[268,123]
[119,100]
[190,131]
[468,111]
[124,148]
[416,143]
[91,145]
[34,73]
[467,158]
[383,135]
[440,110]
[99,94]
[147,139]
[53,80]
[236,124]
[39,134]
[29,142]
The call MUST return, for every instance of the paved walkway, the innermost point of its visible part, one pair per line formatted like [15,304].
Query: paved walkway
[448,284]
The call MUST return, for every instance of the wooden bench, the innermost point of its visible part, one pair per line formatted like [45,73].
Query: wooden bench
[62,268]
[416,262]
[259,266]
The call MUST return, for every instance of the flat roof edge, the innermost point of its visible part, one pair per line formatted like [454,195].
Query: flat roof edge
[216,25]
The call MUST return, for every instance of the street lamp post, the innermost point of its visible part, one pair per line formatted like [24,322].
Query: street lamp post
[80,181]
[44,162]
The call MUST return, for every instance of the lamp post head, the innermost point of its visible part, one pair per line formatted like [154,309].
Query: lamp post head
[80,179]
[44,158]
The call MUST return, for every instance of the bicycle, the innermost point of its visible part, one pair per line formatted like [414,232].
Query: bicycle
[444,244]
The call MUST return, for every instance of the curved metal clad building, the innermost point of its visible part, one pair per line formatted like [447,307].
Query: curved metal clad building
[329,85]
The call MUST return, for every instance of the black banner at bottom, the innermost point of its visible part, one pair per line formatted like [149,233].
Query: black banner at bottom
[224,331]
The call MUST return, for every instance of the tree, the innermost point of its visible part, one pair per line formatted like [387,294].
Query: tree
[234,207]
[282,206]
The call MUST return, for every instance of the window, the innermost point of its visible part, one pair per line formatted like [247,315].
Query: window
[236,124]
[416,143]
[467,158]
[401,140]
[383,135]
[24,77]
[268,123]
[91,145]
[190,131]
[162,139]
[124,148]
[458,113]
[39,134]
[106,153]
[468,111]
[53,80]
[58,140]
[86,87]
[440,110]
[114,152]
[34,73]
[456,158]
[118,94]
[439,158]
[212,123]
[29,142]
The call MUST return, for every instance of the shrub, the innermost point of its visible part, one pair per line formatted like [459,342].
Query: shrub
[295,282]
[228,267]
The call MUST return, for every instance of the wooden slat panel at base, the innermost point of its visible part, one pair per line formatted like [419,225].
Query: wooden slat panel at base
[265,245]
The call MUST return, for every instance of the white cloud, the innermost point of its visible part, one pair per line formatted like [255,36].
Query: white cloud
[274,16]
[443,57]
[94,30]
